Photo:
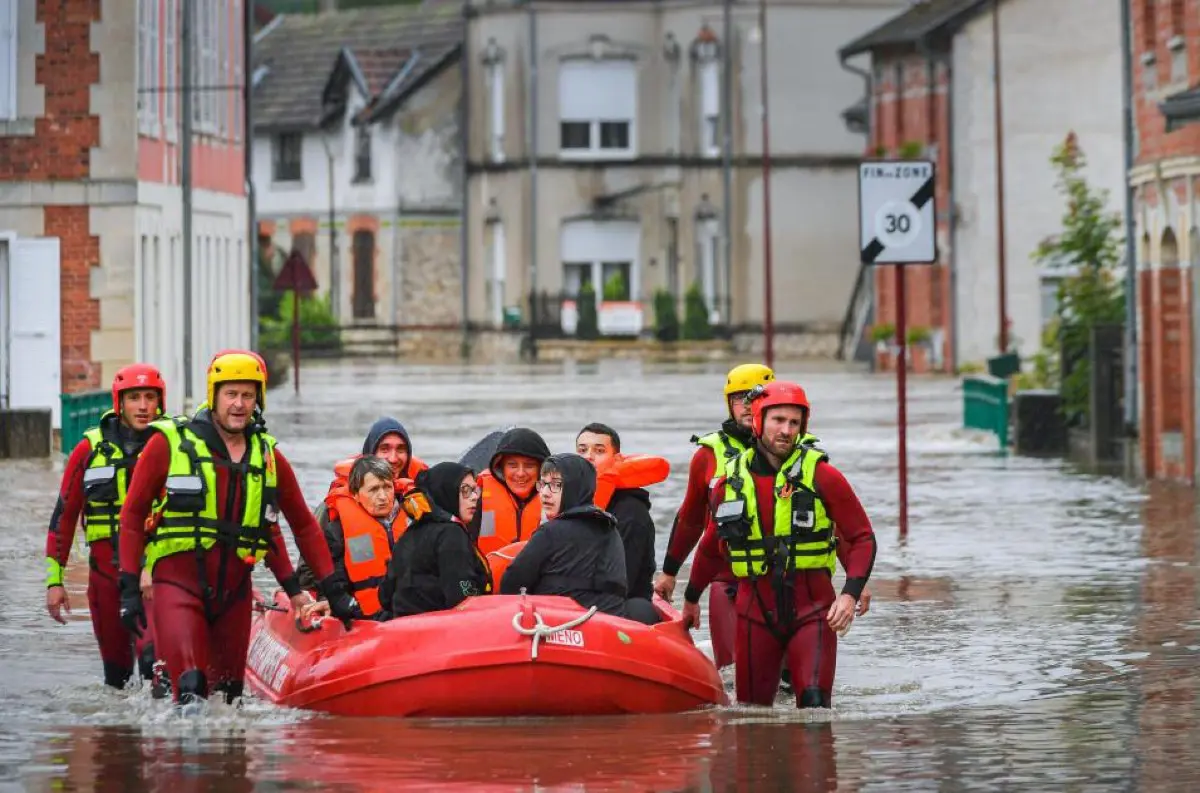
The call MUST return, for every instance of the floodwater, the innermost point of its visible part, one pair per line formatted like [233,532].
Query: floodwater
[1037,630]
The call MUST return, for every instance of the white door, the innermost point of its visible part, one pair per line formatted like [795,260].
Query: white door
[34,374]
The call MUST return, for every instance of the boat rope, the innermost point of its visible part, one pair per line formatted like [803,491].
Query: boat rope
[540,629]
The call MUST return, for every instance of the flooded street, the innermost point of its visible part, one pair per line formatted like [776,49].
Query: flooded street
[1037,630]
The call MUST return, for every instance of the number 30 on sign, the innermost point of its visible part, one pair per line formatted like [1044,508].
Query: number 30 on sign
[896,212]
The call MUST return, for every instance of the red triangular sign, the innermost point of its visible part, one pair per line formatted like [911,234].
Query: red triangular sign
[295,275]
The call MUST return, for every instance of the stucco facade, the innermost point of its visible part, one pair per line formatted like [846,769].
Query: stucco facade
[663,175]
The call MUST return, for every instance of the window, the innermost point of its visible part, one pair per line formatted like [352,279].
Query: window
[710,109]
[364,275]
[239,75]
[615,277]
[597,106]
[148,72]
[205,71]
[1149,26]
[220,90]
[362,154]
[602,254]
[498,269]
[496,89]
[286,157]
[170,78]
[707,259]
[8,59]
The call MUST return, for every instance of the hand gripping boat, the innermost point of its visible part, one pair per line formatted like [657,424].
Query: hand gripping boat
[495,655]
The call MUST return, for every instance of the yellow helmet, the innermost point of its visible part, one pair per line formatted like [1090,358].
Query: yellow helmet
[234,367]
[745,377]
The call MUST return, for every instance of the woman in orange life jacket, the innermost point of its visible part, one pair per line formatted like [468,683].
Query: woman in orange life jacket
[510,509]
[368,521]
[388,440]
[600,445]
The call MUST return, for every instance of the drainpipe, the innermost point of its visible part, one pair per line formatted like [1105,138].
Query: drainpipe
[464,151]
[726,160]
[532,147]
[1131,330]
[998,119]
[248,158]
[863,269]
[185,142]
[952,210]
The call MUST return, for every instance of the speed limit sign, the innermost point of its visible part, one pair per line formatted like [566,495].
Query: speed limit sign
[896,211]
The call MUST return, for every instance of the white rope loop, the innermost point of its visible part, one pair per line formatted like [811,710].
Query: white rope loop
[540,629]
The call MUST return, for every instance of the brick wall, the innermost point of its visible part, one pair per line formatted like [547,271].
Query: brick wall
[1165,299]
[60,150]
[909,108]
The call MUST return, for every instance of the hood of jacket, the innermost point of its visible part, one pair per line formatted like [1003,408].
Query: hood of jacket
[440,483]
[520,441]
[579,481]
[385,425]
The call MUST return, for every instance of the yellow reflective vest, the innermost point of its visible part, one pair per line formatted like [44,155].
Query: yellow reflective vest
[105,481]
[726,448]
[803,537]
[188,516]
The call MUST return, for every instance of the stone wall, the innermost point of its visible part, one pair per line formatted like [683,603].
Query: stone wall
[430,275]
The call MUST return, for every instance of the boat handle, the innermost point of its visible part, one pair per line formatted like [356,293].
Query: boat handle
[313,628]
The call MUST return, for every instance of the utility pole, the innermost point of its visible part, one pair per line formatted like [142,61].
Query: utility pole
[1001,272]
[248,159]
[186,98]
[727,155]
[768,326]
[531,134]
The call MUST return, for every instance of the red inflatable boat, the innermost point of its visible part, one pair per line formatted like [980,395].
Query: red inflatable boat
[497,655]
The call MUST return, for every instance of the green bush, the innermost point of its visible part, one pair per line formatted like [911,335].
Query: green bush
[666,317]
[588,325]
[318,327]
[695,316]
[614,287]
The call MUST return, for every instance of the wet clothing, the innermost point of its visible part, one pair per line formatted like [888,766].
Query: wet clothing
[785,615]
[435,565]
[631,508]
[504,518]
[202,597]
[366,549]
[578,553]
[103,459]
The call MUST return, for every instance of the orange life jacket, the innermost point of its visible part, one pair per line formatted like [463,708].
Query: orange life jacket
[368,550]
[504,521]
[629,471]
[500,559]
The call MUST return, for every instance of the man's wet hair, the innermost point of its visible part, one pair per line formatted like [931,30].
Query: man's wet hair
[368,465]
[602,429]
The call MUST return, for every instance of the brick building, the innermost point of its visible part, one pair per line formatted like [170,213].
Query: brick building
[1165,178]
[90,163]
[933,95]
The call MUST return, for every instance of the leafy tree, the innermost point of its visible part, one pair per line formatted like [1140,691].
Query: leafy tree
[695,315]
[1090,294]
[588,324]
[666,316]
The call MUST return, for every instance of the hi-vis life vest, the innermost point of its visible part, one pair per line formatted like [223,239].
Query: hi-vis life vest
[105,481]
[803,537]
[503,520]
[189,517]
[726,448]
[368,550]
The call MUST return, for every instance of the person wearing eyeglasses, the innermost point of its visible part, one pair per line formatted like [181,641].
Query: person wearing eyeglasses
[435,564]
[577,552]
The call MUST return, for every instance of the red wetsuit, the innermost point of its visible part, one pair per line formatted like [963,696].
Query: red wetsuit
[803,635]
[118,648]
[689,525]
[210,634]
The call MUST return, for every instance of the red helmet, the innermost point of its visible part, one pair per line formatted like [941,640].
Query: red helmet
[261,361]
[138,375]
[775,394]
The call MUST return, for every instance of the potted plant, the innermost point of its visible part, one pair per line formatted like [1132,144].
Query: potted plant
[920,347]
[883,334]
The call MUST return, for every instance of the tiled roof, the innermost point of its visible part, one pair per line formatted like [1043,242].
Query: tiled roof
[296,57]
[922,19]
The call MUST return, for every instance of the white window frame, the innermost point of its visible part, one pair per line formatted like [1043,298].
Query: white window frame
[224,71]
[170,71]
[496,90]
[498,270]
[710,109]
[629,116]
[10,40]
[239,73]
[707,239]
[143,66]
[599,242]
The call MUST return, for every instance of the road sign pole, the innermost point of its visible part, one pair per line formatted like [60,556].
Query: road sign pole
[902,392]
[296,340]
[898,224]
